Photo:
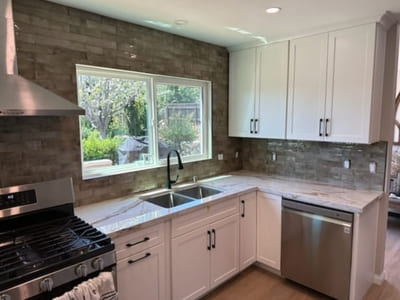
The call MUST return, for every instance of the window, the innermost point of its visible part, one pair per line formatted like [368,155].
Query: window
[134,119]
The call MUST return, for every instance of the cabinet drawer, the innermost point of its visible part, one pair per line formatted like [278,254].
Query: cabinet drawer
[136,241]
[204,216]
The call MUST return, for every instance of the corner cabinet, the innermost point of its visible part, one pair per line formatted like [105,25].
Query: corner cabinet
[258,91]
[336,84]
[269,230]
[248,229]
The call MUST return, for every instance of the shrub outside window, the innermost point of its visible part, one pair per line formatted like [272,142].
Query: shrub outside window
[134,119]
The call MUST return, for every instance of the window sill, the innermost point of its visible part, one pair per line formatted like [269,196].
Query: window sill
[93,173]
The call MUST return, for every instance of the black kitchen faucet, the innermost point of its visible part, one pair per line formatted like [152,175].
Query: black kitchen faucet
[180,167]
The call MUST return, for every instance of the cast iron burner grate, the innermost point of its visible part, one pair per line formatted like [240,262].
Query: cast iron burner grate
[29,249]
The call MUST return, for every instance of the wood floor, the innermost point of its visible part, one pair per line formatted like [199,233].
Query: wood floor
[258,284]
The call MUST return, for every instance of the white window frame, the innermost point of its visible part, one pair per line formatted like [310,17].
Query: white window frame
[152,81]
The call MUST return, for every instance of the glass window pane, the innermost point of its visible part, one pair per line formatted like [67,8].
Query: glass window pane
[114,130]
[179,116]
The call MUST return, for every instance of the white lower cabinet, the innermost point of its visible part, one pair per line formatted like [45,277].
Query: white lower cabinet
[269,230]
[190,264]
[142,275]
[143,263]
[248,230]
[224,254]
[205,257]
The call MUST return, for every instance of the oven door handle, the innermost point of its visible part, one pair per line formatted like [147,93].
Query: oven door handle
[139,259]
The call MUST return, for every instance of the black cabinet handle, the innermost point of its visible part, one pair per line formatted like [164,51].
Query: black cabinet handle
[326,127]
[142,241]
[244,208]
[209,240]
[251,125]
[255,126]
[320,126]
[139,259]
[215,239]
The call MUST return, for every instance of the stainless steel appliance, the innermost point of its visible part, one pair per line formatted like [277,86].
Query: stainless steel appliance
[316,247]
[44,249]
[21,97]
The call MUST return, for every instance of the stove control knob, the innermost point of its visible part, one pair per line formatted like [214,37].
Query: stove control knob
[5,297]
[46,285]
[98,264]
[81,270]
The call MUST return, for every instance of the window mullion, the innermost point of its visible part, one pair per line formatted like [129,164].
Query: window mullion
[154,121]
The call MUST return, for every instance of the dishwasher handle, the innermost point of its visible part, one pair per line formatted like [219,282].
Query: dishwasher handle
[319,218]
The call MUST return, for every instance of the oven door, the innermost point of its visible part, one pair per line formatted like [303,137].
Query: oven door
[31,290]
[60,290]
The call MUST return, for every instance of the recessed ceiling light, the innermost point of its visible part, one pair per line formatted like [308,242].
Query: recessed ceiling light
[273,10]
[180,22]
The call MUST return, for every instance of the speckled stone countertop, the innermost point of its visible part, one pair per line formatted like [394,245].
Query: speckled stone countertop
[115,215]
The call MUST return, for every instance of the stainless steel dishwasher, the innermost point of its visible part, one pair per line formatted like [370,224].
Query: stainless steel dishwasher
[316,247]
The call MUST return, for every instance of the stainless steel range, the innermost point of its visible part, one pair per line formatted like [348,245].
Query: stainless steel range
[44,249]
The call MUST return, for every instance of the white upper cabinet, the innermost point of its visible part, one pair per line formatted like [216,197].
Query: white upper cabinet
[351,107]
[258,91]
[334,93]
[242,83]
[307,87]
[271,95]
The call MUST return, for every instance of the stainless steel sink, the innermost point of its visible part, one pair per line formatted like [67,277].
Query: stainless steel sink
[169,200]
[199,192]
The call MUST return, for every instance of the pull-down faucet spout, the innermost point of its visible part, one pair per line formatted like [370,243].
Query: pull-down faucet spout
[180,167]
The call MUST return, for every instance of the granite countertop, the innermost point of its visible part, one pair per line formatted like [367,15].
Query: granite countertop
[115,215]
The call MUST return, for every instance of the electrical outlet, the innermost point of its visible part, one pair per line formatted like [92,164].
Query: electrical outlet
[220,156]
[273,156]
[347,164]
[237,154]
[372,167]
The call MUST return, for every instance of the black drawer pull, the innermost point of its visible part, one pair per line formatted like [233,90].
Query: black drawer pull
[326,127]
[244,208]
[215,238]
[139,259]
[142,241]
[320,126]
[209,240]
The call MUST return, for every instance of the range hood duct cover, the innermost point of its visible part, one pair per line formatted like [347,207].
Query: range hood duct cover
[18,96]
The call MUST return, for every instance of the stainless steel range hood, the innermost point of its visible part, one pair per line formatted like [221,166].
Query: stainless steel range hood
[18,96]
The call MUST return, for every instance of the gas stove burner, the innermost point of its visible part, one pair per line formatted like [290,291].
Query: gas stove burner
[46,245]
[44,249]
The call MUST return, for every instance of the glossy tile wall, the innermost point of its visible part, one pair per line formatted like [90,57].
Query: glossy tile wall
[318,161]
[50,40]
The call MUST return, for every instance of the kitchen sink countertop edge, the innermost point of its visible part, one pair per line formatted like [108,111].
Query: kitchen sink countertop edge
[116,215]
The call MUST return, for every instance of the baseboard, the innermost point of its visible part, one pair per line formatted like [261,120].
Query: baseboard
[379,278]
[267,268]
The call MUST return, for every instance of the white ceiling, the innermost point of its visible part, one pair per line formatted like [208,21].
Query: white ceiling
[219,21]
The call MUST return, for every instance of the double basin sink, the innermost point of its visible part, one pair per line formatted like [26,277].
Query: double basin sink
[172,199]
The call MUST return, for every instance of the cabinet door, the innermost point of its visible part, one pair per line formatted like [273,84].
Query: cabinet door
[143,275]
[350,79]
[248,230]
[242,76]
[190,264]
[307,87]
[225,249]
[269,229]
[270,109]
